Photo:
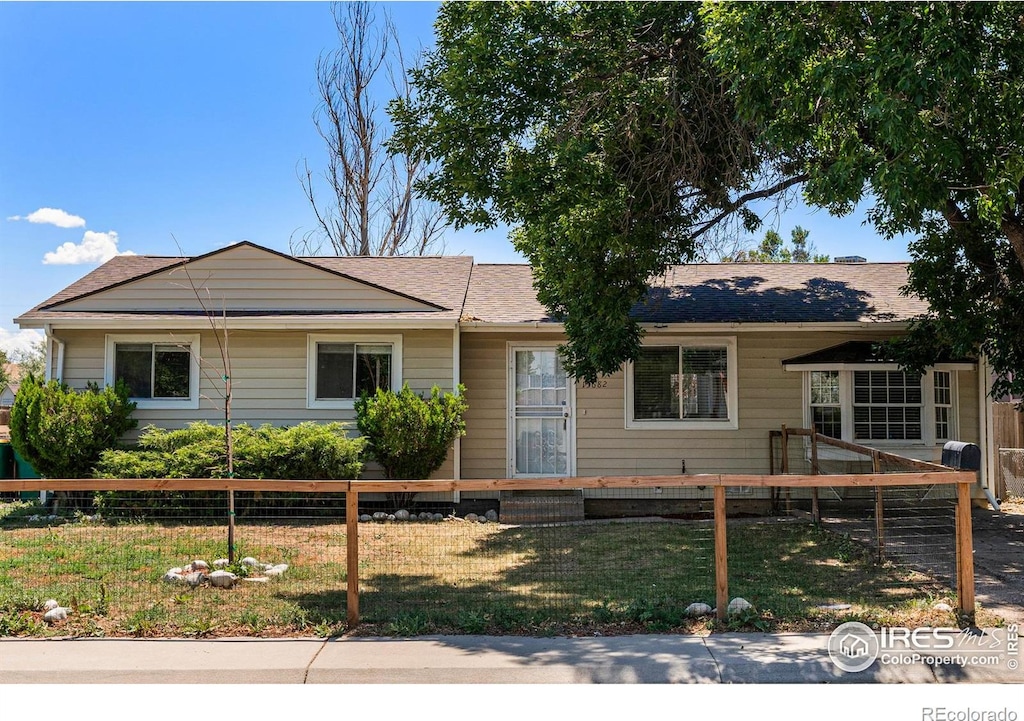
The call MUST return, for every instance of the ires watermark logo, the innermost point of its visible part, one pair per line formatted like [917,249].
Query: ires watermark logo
[854,647]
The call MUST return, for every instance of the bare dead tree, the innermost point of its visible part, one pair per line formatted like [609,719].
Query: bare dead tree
[368,205]
[221,336]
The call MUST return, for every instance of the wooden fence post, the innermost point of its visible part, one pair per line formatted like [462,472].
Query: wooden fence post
[721,555]
[785,466]
[964,551]
[352,556]
[815,510]
[876,467]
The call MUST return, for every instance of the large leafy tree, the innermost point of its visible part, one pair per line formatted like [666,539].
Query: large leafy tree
[921,106]
[601,132]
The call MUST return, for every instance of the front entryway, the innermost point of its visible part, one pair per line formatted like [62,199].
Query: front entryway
[541,414]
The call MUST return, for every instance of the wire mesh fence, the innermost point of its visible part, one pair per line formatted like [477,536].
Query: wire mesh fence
[144,563]
[1011,469]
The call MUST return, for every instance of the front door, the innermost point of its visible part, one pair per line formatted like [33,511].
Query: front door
[541,399]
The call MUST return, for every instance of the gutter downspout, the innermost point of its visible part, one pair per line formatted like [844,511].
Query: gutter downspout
[456,379]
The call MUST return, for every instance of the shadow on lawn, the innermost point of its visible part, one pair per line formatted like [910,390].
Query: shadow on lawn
[639,576]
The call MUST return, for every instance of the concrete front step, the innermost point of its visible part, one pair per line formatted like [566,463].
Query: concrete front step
[522,507]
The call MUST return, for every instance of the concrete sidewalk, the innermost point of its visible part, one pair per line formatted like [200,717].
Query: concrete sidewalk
[721,658]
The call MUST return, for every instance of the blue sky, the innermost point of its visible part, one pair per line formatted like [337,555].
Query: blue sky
[143,121]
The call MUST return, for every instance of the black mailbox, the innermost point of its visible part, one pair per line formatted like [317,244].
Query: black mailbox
[963,456]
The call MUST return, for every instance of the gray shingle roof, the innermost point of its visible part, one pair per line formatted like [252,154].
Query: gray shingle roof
[723,293]
[494,293]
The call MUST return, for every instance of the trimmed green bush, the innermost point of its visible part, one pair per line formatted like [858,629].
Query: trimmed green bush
[61,432]
[307,451]
[408,435]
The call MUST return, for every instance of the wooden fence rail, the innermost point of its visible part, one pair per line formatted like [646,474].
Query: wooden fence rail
[718,482]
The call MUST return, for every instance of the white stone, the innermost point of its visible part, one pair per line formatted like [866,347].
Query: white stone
[50,604]
[491,515]
[390,517]
[365,518]
[171,577]
[472,517]
[942,607]
[33,519]
[482,519]
[695,610]
[738,605]
[55,614]
[198,565]
[380,516]
[176,570]
[223,579]
[249,561]
[424,516]
[255,579]
[196,578]
[401,515]
[221,563]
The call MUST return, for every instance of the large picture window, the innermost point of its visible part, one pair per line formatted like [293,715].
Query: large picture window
[342,368]
[160,371]
[683,384]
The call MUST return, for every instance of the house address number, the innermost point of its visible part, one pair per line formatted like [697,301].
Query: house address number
[595,384]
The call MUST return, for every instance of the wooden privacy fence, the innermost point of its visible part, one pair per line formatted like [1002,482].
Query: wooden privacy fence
[718,482]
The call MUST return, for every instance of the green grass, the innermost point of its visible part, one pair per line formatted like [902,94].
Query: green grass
[454,576]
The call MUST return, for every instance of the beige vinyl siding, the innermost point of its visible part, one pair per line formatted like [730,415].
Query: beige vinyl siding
[245,279]
[268,376]
[768,397]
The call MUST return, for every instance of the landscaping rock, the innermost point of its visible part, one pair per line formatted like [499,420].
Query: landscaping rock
[179,571]
[437,517]
[942,607]
[256,579]
[221,563]
[491,516]
[50,605]
[277,570]
[472,517]
[249,561]
[401,515]
[171,577]
[33,519]
[198,565]
[738,605]
[424,516]
[696,610]
[365,518]
[223,579]
[380,516]
[55,614]
[195,578]
[390,517]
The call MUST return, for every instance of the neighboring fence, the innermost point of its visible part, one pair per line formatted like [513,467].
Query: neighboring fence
[1007,426]
[1010,481]
[518,570]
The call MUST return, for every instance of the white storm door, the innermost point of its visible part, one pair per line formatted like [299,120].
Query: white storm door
[541,399]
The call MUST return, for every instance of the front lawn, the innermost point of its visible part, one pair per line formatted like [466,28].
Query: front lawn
[448,577]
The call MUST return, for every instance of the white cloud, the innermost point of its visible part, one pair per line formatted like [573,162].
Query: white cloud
[94,248]
[14,342]
[52,216]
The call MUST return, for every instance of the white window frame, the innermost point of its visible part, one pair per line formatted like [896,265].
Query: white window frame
[313,339]
[190,340]
[927,405]
[731,423]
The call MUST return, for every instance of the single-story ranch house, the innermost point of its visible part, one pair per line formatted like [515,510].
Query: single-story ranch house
[731,352]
